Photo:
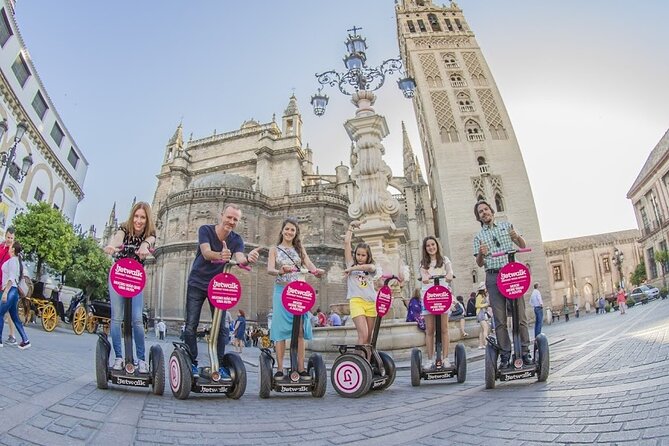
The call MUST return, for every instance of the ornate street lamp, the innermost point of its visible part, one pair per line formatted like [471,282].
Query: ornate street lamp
[618,258]
[359,77]
[7,158]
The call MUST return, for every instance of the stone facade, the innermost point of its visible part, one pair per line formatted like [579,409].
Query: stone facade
[59,167]
[650,198]
[469,146]
[582,268]
[266,170]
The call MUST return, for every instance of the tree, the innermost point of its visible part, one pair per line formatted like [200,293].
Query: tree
[639,275]
[46,236]
[663,257]
[89,268]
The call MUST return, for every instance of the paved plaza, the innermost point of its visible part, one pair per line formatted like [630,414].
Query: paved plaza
[609,384]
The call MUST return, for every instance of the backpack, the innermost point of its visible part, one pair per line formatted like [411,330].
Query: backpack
[25,287]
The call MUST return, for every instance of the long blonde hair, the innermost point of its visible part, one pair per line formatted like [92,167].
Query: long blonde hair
[149,229]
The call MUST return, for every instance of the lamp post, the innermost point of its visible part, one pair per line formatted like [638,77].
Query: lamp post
[7,158]
[368,170]
[618,258]
[372,202]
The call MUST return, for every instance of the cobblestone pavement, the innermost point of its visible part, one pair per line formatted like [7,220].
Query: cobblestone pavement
[609,384]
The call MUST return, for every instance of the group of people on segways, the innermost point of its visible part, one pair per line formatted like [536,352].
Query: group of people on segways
[360,367]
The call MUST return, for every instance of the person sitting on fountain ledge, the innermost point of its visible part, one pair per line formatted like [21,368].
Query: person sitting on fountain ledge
[360,275]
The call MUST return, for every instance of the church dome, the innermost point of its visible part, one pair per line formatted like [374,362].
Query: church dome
[220,179]
[248,124]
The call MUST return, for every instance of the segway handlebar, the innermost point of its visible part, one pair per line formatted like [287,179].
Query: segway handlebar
[388,277]
[244,266]
[511,251]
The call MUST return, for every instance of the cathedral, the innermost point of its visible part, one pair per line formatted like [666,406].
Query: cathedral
[267,170]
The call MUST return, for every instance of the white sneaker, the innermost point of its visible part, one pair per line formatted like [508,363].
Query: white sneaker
[143,367]
[445,363]
[427,364]
[118,364]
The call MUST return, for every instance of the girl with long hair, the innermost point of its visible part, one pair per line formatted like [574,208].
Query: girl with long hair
[12,271]
[360,274]
[434,263]
[134,240]
[284,261]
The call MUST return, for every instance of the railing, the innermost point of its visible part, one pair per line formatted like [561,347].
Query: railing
[475,137]
[466,108]
[452,65]
[483,169]
[458,83]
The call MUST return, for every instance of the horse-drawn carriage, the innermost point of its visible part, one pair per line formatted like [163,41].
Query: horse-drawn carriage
[50,309]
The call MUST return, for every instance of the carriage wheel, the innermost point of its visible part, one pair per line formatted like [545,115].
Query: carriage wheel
[91,323]
[49,317]
[79,320]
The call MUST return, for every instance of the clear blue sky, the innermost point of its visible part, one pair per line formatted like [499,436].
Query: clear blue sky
[585,84]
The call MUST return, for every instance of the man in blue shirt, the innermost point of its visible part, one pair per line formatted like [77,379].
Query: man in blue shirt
[216,244]
[499,237]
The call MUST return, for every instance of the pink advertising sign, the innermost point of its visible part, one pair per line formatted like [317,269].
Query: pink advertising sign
[224,291]
[298,297]
[513,280]
[127,277]
[438,299]
[384,299]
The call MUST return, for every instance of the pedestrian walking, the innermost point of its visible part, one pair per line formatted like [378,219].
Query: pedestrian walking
[162,329]
[538,304]
[4,256]
[239,333]
[12,271]
[622,300]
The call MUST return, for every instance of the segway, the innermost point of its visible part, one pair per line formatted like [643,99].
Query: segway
[224,293]
[361,368]
[513,280]
[438,300]
[127,277]
[298,298]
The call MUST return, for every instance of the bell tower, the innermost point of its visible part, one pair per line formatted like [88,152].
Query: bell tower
[469,146]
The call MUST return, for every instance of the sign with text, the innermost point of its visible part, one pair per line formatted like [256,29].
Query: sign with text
[224,291]
[384,299]
[127,277]
[513,280]
[437,299]
[298,297]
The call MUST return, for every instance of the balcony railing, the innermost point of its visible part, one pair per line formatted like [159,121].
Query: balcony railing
[475,137]
[467,108]
[483,169]
[458,84]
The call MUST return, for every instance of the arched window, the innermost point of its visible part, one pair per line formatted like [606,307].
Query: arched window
[465,102]
[499,203]
[475,275]
[434,23]
[457,80]
[473,130]
[448,134]
[450,60]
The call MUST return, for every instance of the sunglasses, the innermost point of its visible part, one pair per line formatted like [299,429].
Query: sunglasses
[494,239]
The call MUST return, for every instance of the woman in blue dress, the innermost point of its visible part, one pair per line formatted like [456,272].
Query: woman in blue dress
[285,260]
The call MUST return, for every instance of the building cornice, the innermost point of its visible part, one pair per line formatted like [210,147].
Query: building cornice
[35,135]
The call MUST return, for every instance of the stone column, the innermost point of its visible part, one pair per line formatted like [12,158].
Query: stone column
[372,202]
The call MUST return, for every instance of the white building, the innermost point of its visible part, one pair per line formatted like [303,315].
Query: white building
[59,168]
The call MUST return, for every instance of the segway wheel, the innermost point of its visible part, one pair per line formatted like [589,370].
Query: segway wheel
[490,367]
[461,362]
[543,365]
[157,369]
[101,364]
[265,375]
[351,376]
[180,374]
[237,370]
[389,367]
[319,375]
[416,358]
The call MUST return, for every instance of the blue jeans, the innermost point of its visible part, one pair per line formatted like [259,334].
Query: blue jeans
[12,306]
[195,298]
[539,315]
[117,303]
